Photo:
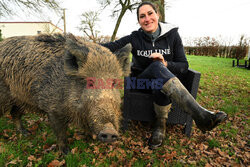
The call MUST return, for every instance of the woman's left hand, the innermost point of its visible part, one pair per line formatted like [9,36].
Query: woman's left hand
[158,57]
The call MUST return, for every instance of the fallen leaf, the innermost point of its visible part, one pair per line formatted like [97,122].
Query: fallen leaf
[136,143]
[96,150]
[29,164]
[5,131]
[223,154]
[48,149]
[146,150]
[74,150]
[56,163]
[209,153]
[94,137]
[32,158]
[33,128]
[247,155]
[14,162]
[191,162]
[208,165]
[78,136]
[10,157]
[44,136]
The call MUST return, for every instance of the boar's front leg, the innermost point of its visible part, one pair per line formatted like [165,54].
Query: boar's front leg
[59,125]
[16,114]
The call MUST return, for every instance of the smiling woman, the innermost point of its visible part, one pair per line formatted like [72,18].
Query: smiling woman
[158,54]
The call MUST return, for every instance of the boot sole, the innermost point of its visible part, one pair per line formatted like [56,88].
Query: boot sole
[219,118]
[153,147]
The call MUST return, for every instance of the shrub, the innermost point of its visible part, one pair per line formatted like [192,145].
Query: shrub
[207,46]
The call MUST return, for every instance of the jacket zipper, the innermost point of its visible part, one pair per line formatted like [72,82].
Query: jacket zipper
[153,42]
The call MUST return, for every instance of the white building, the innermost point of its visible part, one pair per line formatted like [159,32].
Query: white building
[9,29]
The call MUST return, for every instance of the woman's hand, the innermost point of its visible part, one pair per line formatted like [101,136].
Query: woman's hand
[158,57]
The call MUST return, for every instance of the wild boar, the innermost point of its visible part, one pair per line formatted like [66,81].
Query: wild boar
[55,74]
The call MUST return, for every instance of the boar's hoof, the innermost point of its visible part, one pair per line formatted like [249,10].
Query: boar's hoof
[108,135]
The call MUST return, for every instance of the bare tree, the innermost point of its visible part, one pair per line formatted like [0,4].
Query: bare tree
[121,7]
[10,7]
[89,25]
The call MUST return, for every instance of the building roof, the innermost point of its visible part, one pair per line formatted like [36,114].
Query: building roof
[36,22]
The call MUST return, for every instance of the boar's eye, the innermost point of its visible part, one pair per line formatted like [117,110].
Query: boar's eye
[72,61]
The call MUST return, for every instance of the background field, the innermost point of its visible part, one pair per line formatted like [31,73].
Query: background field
[222,87]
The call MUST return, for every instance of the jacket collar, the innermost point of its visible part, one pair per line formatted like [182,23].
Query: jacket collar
[155,35]
[166,27]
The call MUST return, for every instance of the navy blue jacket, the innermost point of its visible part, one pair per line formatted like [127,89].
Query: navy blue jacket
[168,43]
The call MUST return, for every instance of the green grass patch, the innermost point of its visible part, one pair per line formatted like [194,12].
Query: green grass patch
[221,86]
[213,143]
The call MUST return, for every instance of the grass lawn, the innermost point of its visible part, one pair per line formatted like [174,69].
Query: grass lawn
[222,87]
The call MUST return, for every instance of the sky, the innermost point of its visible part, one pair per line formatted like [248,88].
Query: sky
[227,19]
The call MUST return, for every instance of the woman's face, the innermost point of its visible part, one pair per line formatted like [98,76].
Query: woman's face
[148,18]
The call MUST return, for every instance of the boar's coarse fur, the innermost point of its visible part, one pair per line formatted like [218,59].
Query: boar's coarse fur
[48,73]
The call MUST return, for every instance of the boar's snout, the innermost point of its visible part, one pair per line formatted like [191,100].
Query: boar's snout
[108,135]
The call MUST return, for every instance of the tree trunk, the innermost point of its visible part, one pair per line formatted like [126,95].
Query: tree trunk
[118,22]
[163,11]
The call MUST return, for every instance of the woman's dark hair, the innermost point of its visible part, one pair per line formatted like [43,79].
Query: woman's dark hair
[145,3]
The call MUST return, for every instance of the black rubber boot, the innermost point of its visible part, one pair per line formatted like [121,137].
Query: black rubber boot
[159,131]
[204,119]
[158,134]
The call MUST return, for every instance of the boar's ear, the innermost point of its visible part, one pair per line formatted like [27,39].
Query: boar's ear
[123,55]
[75,55]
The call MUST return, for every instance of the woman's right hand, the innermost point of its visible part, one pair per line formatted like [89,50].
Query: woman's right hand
[158,57]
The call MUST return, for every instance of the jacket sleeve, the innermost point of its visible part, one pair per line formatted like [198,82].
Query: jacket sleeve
[118,44]
[179,64]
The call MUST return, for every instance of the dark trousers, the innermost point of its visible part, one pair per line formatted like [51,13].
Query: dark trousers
[159,73]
